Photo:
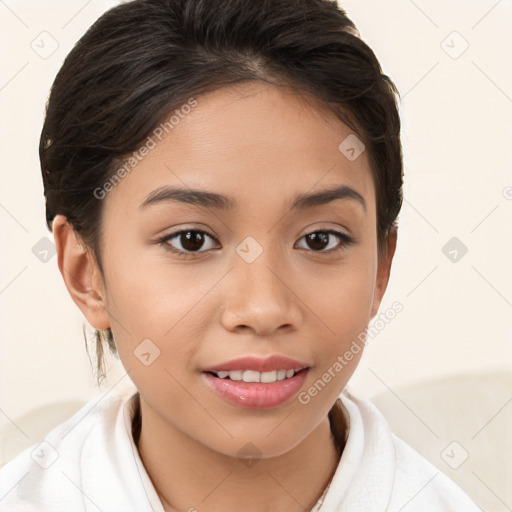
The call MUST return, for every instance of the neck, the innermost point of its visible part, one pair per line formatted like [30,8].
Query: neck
[187,475]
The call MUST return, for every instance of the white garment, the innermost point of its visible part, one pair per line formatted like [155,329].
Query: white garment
[98,468]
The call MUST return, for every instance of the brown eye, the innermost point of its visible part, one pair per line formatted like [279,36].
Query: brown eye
[187,241]
[191,240]
[318,241]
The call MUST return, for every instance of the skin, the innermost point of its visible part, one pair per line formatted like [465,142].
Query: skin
[261,145]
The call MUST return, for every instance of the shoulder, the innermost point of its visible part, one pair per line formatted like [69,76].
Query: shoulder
[47,475]
[412,482]
[418,483]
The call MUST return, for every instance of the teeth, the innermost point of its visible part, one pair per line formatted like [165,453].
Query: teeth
[253,376]
[236,375]
[268,376]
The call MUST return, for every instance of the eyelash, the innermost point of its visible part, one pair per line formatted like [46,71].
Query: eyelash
[346,240]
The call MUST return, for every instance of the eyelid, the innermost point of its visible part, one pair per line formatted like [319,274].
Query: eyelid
[329,228]
[176,234]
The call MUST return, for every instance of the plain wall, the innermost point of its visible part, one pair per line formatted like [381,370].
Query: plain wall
[456,113]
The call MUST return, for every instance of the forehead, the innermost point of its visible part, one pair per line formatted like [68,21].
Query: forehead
[254,143]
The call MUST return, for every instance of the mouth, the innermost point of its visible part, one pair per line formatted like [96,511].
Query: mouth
[251,389]
[255,376]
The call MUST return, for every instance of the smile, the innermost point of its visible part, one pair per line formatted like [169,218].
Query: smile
[250,389]
[254,376]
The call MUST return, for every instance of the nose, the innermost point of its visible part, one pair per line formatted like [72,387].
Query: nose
[260,297]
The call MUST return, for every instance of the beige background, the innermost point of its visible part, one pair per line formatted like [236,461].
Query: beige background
[456,115]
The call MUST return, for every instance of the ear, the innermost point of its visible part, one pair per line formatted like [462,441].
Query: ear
[384,270]
[81,273]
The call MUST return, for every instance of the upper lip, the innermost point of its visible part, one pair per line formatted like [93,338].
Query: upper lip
[258,364]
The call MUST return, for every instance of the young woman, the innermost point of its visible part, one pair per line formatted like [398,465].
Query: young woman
[223,180]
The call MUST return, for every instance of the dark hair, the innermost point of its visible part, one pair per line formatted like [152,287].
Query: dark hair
[144,58]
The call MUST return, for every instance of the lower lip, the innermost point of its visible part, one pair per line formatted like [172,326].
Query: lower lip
[254,395]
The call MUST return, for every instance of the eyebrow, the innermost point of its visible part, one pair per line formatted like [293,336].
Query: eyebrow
[214,201]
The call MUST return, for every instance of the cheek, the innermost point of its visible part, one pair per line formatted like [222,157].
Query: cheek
[342,307]
[158,303]
[342,313]
[148,295]
[341,300]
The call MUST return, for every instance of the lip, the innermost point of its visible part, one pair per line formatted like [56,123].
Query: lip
[268,364]
[254,395]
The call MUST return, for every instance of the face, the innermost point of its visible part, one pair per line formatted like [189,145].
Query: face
[263,272]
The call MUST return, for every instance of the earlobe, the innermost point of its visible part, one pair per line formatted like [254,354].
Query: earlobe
[80,273]
[384,271]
